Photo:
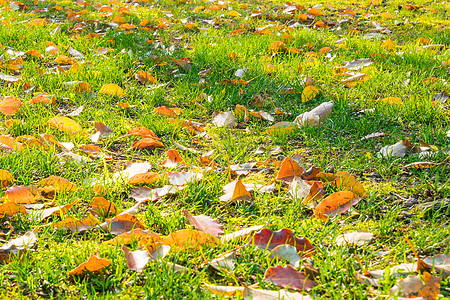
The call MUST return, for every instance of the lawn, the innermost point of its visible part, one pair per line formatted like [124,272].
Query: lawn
[137,136]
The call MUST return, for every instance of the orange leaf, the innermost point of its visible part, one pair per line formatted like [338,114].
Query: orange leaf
[336,203]
[9,105]
[145,77]
[315,12]
[60,184]
[169,112]
[10,209]
[190,239]
[102,206]
[19,194]
[268,239]
[65,60]
[34,53]
[289,168]
[277,47]
[43,99]
[235,191]
[75,225]
[147,143]
[5,177]
[347,182]
[173,160]
[142,132]
[94,264]
[131,236]
[143,178]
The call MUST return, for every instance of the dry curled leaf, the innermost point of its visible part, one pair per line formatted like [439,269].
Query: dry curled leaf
[336,203]
[5,177]
[268,239]
[60,184]
[122,223]
[147,143]
[145,77]
[102,207]
[235,191]
[19,194]
[142,132]
[289,169]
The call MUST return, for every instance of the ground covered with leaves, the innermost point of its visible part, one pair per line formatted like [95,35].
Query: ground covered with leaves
[243,149]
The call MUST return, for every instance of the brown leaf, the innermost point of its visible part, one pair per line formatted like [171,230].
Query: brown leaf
[412,286]
[147,143]
[123,223]
[19,194]
[60,184]
[190,239]
[145,77]
[9,105]
[17,246]
[336,203]
[289,277]
[103,207]
[5,177]
[205,224]
[268,239]
[288,170]
[94,264]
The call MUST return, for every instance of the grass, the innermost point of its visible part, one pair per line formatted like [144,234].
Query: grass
[413,76]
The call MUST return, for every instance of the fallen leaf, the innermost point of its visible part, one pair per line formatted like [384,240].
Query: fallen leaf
[224,119]
[65,124]
[142,132]
[257,294]
[75,225]
[399,149]
[93,264]
[190,239]
[205,224]
[235,191]
[145,77]
[412,286]
[173,160]
[288,170]
[348,182]
[5,177]
[240,233]
[123,223]
[10,209]
[143,178]
[112,89]
[309,93]
[289,277]
[358,238]
[40,215]
[17,246]
[181,178]
[137,260]
[168,112]
[358,64]
[226,261]
[287,252]
[60,184]
[268,239]
[440,262]
[9,105]
[147,143]
[19,194]
[131,236]
[102,207]
[336,203]
[315,116]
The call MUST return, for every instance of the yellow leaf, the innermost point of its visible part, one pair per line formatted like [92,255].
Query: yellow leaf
[233,13]
[190,239]
[388,44]
[5,178]
[309,93]
[386,15]
[392,100]
[112,90]
[65,124]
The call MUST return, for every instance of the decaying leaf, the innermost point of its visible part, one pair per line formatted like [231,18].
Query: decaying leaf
[181,178]
[92,265]
[225,291]
[315,116]
[18,246]
[412,286]
[440,262]
[75,225]
[205,224]
[10,209]
[102,207]
[399,149]
[241,233]
[289,277]
[226,261]
[190,239]
[225,119]
[173,160]
[257,294]
[148,143]
[137,260]
[168,112]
